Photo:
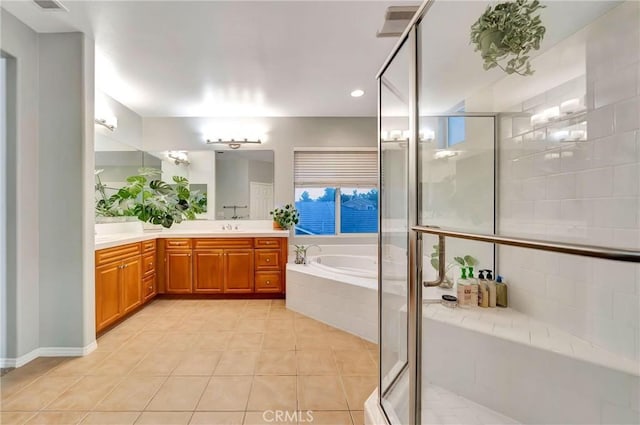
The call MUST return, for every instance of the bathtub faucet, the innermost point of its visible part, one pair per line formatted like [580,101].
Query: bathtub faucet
[301,253]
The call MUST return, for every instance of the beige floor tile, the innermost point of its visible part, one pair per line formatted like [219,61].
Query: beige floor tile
[357,416]
[219,324]
[212,341]
[40,393]
[281,314]
[178,393]
[358,389]
[114,339]
[279,325]
[312,341]
[197,363]
[164,418]
[307,325]
[177,341]
[158,363]
[323,417]
[56,418]
[269,418]
[355,362]
[15,418]
[316,362]
[119,363]
[276,362]
[226,393]
[237,363]
[279,341]
[110,418]
[251,314]
[79,366]
[321,393]
[246,341]
[217,418]
[85,393]
[163,322]
[144,341]
[343,341]
[132,394]
[273,393]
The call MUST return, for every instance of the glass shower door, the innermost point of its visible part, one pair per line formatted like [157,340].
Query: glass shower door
[394,133]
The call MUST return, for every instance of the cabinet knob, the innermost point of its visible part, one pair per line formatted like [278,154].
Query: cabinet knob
[268,260]
[268,282]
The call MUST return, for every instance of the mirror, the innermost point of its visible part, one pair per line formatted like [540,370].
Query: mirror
[244,184]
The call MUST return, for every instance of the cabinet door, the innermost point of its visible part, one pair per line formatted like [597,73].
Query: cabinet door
[208,271]
[107,295]
[178,272]
[238,270]
[131,287]
[149,287]
[267,259]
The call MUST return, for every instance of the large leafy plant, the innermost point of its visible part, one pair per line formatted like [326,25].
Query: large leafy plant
[151,199]
[506,33]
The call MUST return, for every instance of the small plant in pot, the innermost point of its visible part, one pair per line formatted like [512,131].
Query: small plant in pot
[285,218]
[506,33]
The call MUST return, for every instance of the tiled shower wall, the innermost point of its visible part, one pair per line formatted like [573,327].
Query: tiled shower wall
[583,192]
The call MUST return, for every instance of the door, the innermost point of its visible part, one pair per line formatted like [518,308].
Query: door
[238,271]
[260,200]
[107,295]
[131,288]
[178,272]
[208,271]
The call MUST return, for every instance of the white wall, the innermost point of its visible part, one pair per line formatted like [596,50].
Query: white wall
[3,207]
[585,192]
[21,42]
[129,129]
[66,171]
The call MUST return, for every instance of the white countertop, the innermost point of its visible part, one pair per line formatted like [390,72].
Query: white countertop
[110,240]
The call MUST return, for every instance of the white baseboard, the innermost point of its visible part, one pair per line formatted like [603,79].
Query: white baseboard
[48,352]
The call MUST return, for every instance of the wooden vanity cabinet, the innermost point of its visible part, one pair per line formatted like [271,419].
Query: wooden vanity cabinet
[149,275]
[118,289]
[208,271]
[270,264]
[238,271]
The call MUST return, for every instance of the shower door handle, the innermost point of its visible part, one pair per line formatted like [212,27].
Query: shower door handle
[441,262]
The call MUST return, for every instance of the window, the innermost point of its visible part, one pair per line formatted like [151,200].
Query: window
[455,130]
[336,193]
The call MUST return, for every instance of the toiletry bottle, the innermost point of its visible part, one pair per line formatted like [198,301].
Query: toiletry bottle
[473,284]
[483,290]
[461,288]
[491,286]
[501,292]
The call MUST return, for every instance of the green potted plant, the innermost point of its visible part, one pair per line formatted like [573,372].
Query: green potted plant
[506,33]
[463,262]
[285,218]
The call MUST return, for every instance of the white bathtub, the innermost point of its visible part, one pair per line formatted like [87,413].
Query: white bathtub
[338,288]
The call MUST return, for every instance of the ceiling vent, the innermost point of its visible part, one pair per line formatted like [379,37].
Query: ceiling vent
[50,5]
[396,20]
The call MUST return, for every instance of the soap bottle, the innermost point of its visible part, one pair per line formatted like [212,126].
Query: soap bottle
[491,286]
[483,291]
[501,292]
[462,287]
[473,296]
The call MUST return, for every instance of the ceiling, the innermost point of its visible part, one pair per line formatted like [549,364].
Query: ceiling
[235,58]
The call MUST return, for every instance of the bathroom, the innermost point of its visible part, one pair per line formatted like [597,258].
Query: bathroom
[467,233]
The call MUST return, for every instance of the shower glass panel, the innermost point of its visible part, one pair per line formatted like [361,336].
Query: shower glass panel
[394,129]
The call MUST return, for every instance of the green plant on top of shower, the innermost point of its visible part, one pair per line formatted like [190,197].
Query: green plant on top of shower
[462,262]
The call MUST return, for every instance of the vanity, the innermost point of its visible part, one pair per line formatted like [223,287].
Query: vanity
[132,270]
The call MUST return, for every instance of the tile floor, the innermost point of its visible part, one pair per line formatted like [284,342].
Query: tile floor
[201,362]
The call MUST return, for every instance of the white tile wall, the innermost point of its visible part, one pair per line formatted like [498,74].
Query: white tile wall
[584,192]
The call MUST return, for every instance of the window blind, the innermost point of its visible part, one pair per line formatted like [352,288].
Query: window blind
[340,168]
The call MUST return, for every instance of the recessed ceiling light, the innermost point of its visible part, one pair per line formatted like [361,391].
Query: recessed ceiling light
[357,93]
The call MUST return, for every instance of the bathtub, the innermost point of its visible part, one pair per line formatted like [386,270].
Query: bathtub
[339,287]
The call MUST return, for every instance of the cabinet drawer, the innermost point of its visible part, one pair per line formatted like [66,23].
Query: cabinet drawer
[177,243]
[267,259]
[267,242]
[118,253]
[149,246]
[149,264]
[148,286]
[268,282]
[209,243]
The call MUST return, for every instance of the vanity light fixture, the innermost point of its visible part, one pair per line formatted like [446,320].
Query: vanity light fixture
[233,143]
[110,123]
[178,157]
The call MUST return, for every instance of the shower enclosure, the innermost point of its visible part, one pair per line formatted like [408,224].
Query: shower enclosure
[536,178]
